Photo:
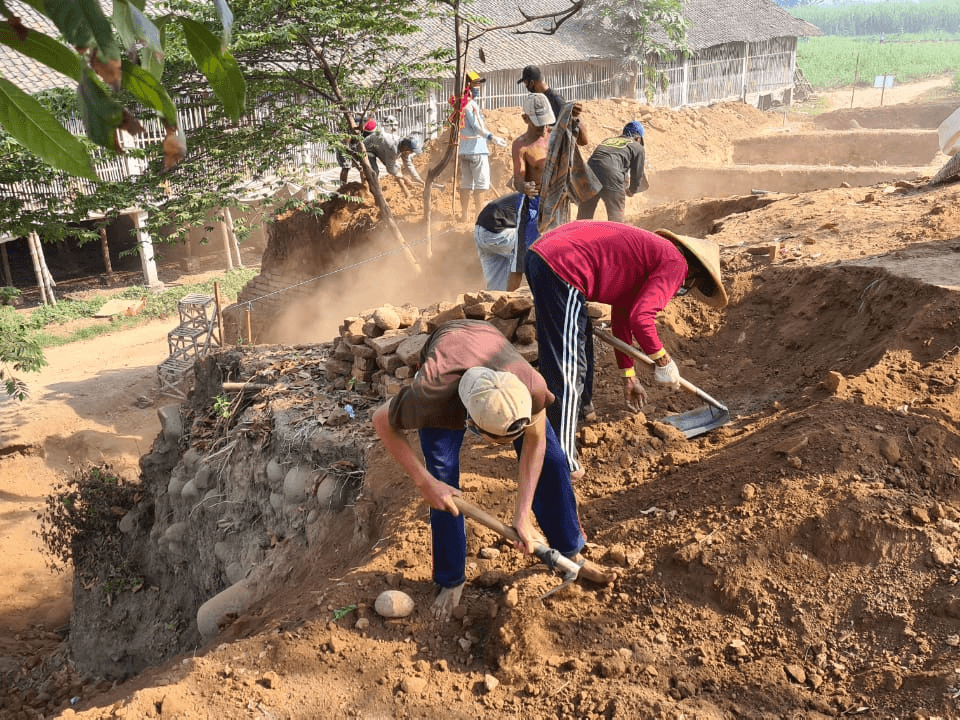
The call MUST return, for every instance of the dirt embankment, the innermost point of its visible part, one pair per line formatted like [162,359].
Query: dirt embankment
[800,562]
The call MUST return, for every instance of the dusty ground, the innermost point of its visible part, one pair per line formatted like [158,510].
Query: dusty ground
[799,563]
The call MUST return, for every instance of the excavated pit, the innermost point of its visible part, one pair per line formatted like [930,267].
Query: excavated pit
[263,514]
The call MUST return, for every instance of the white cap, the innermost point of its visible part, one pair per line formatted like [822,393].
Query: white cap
[495,400]
[538,109]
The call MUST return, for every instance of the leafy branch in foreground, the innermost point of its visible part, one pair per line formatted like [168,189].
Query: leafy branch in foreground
[19,352]
[105,56]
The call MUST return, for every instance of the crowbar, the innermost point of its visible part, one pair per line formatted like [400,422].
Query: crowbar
[693,423]
[568,569]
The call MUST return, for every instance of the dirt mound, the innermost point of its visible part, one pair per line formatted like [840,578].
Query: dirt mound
[798,560]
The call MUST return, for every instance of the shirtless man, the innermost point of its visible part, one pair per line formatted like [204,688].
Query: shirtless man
[529,155]
[471,378]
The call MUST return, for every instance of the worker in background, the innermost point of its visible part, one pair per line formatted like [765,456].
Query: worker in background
[392,151]
[495,234]
[473,153]
[617,163]
[347,158]
[529,153]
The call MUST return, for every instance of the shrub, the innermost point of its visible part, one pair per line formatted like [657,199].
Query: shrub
[79,526]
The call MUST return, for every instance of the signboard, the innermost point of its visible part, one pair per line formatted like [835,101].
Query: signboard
[883,81]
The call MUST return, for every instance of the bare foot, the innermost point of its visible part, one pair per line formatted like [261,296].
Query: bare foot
[446,601]
[577,474]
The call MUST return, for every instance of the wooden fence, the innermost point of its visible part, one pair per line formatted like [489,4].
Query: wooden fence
[724,72]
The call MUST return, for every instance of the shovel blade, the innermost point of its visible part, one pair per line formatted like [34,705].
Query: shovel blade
[699,421]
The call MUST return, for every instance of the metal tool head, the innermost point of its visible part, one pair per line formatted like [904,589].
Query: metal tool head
[699,421]
[568,569]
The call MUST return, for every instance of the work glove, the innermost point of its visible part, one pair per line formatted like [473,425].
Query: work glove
[498,141]
[667,375]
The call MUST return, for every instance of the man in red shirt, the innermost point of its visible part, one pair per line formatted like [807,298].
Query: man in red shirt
[634,271]
[472,378]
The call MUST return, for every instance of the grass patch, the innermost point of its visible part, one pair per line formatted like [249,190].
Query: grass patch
[832,62]
[159,305]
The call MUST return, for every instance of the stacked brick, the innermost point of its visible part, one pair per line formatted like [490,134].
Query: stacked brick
[379,350]
[269,294]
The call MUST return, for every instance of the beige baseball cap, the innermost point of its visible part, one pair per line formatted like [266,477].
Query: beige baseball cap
[496,401]
[708,253]
[538,109]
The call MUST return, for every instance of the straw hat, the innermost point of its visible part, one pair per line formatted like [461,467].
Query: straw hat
[708,253]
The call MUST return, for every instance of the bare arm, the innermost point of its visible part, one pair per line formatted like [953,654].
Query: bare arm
[437,494]
[531,465]
[582,135]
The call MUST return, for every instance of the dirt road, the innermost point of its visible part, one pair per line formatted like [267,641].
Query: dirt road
[83,408]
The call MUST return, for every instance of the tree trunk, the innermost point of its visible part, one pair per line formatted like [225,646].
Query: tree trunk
[373,182]
[7,276]
[105,247]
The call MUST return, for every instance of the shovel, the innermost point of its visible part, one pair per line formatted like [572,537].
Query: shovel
[568,569]
[692,423]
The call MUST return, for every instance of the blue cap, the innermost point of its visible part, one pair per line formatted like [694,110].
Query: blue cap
[411,142]
[633,129]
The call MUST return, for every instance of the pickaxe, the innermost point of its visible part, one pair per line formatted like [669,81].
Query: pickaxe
[568,569]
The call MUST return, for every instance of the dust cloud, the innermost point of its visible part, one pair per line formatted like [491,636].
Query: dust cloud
[378,274]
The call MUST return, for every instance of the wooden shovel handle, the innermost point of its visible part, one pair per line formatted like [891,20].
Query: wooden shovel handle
[484,518]
[623,347]
[590,571]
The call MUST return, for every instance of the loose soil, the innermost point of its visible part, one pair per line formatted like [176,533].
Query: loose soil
[800,562]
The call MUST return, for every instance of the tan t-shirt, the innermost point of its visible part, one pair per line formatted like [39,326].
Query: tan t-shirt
[433,401]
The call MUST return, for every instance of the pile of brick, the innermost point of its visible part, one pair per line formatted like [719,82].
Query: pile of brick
[380,349]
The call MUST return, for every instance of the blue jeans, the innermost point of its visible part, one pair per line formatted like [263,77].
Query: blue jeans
[496,251]
[554,503]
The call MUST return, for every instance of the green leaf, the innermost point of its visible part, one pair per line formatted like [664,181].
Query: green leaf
[43,49]
[100,27]
[148,90]
[133,25]
[218,65]
[39,132]
[101,114]
[69,18]
[36,5]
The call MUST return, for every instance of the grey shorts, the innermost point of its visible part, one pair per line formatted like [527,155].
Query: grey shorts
[475,172]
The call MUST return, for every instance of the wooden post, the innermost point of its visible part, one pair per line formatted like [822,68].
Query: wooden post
[856,70]
[46,279]
[883,88]
[453,194]
[248,323]
[106,250]
[231,237]
[222,227]
[216,297]
[41,285]
[7,275]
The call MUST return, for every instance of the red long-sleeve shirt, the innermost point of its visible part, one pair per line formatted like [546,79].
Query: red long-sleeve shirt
[633,270]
